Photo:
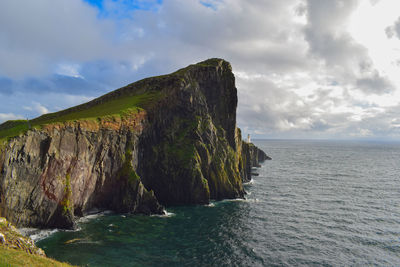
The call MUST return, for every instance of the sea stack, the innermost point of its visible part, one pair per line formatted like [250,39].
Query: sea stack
[164,140]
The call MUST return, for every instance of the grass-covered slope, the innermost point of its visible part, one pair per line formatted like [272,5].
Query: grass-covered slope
[12,257]
[18,250]
[13,128]
[139,95]
[95,109]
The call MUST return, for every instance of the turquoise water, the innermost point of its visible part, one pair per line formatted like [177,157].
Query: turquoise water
[316,203]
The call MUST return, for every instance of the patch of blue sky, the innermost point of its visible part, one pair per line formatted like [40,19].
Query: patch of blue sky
[120,9]
[213,4]
[96,3]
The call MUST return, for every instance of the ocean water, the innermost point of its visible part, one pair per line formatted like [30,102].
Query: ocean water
[323,203]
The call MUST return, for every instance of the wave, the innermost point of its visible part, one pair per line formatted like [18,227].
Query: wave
[234,200]
[37,234]
[92,216]
[254,200]
[165,215]
[249,182]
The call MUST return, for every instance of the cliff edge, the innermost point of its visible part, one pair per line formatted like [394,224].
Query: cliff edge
[164,140]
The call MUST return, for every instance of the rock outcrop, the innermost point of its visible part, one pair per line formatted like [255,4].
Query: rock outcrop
[11,238]
[177,143]
[252,157]
[50,175]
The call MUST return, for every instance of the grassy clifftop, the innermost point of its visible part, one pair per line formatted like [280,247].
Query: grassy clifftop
[139,95]
[116,106]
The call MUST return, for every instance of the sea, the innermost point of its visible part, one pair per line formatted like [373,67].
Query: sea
[316,203]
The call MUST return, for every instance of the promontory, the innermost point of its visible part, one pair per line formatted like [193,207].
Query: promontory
[165,140]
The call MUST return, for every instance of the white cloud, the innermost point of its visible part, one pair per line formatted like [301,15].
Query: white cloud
[9,116]
[71,70]
[301,70]
[41,109]
[36,107]
[35,35]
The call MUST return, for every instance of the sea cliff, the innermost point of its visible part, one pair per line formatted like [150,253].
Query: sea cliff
[164,140]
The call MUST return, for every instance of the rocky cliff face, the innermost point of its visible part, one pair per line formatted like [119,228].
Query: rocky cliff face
[62,170]
[252,157]
[182,147]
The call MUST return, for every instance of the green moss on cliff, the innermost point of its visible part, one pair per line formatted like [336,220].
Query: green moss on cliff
[180,162]
[205,185]
[179,145]
[127,170]
[224,162]
[66,203]
[3,143]
[131,188]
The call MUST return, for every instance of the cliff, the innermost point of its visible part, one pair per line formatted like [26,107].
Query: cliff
[252,157]
[164,140]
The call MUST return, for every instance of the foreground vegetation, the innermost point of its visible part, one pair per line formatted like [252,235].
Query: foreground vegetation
[12,257]
[18,250]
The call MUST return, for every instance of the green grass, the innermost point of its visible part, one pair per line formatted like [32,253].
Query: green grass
[13,128]
[122,106]
[111,107]
[12,257]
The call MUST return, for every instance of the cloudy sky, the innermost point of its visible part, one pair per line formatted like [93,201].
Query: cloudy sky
[304,68]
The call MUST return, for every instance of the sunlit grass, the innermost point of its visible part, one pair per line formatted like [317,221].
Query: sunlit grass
[118,106]
[12,257]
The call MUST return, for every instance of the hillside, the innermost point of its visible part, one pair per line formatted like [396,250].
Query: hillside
[165,140]
[119,103]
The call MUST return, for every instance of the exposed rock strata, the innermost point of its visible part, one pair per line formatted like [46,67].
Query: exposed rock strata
[182,148]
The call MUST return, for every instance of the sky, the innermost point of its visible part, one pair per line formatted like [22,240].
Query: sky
[318,69]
